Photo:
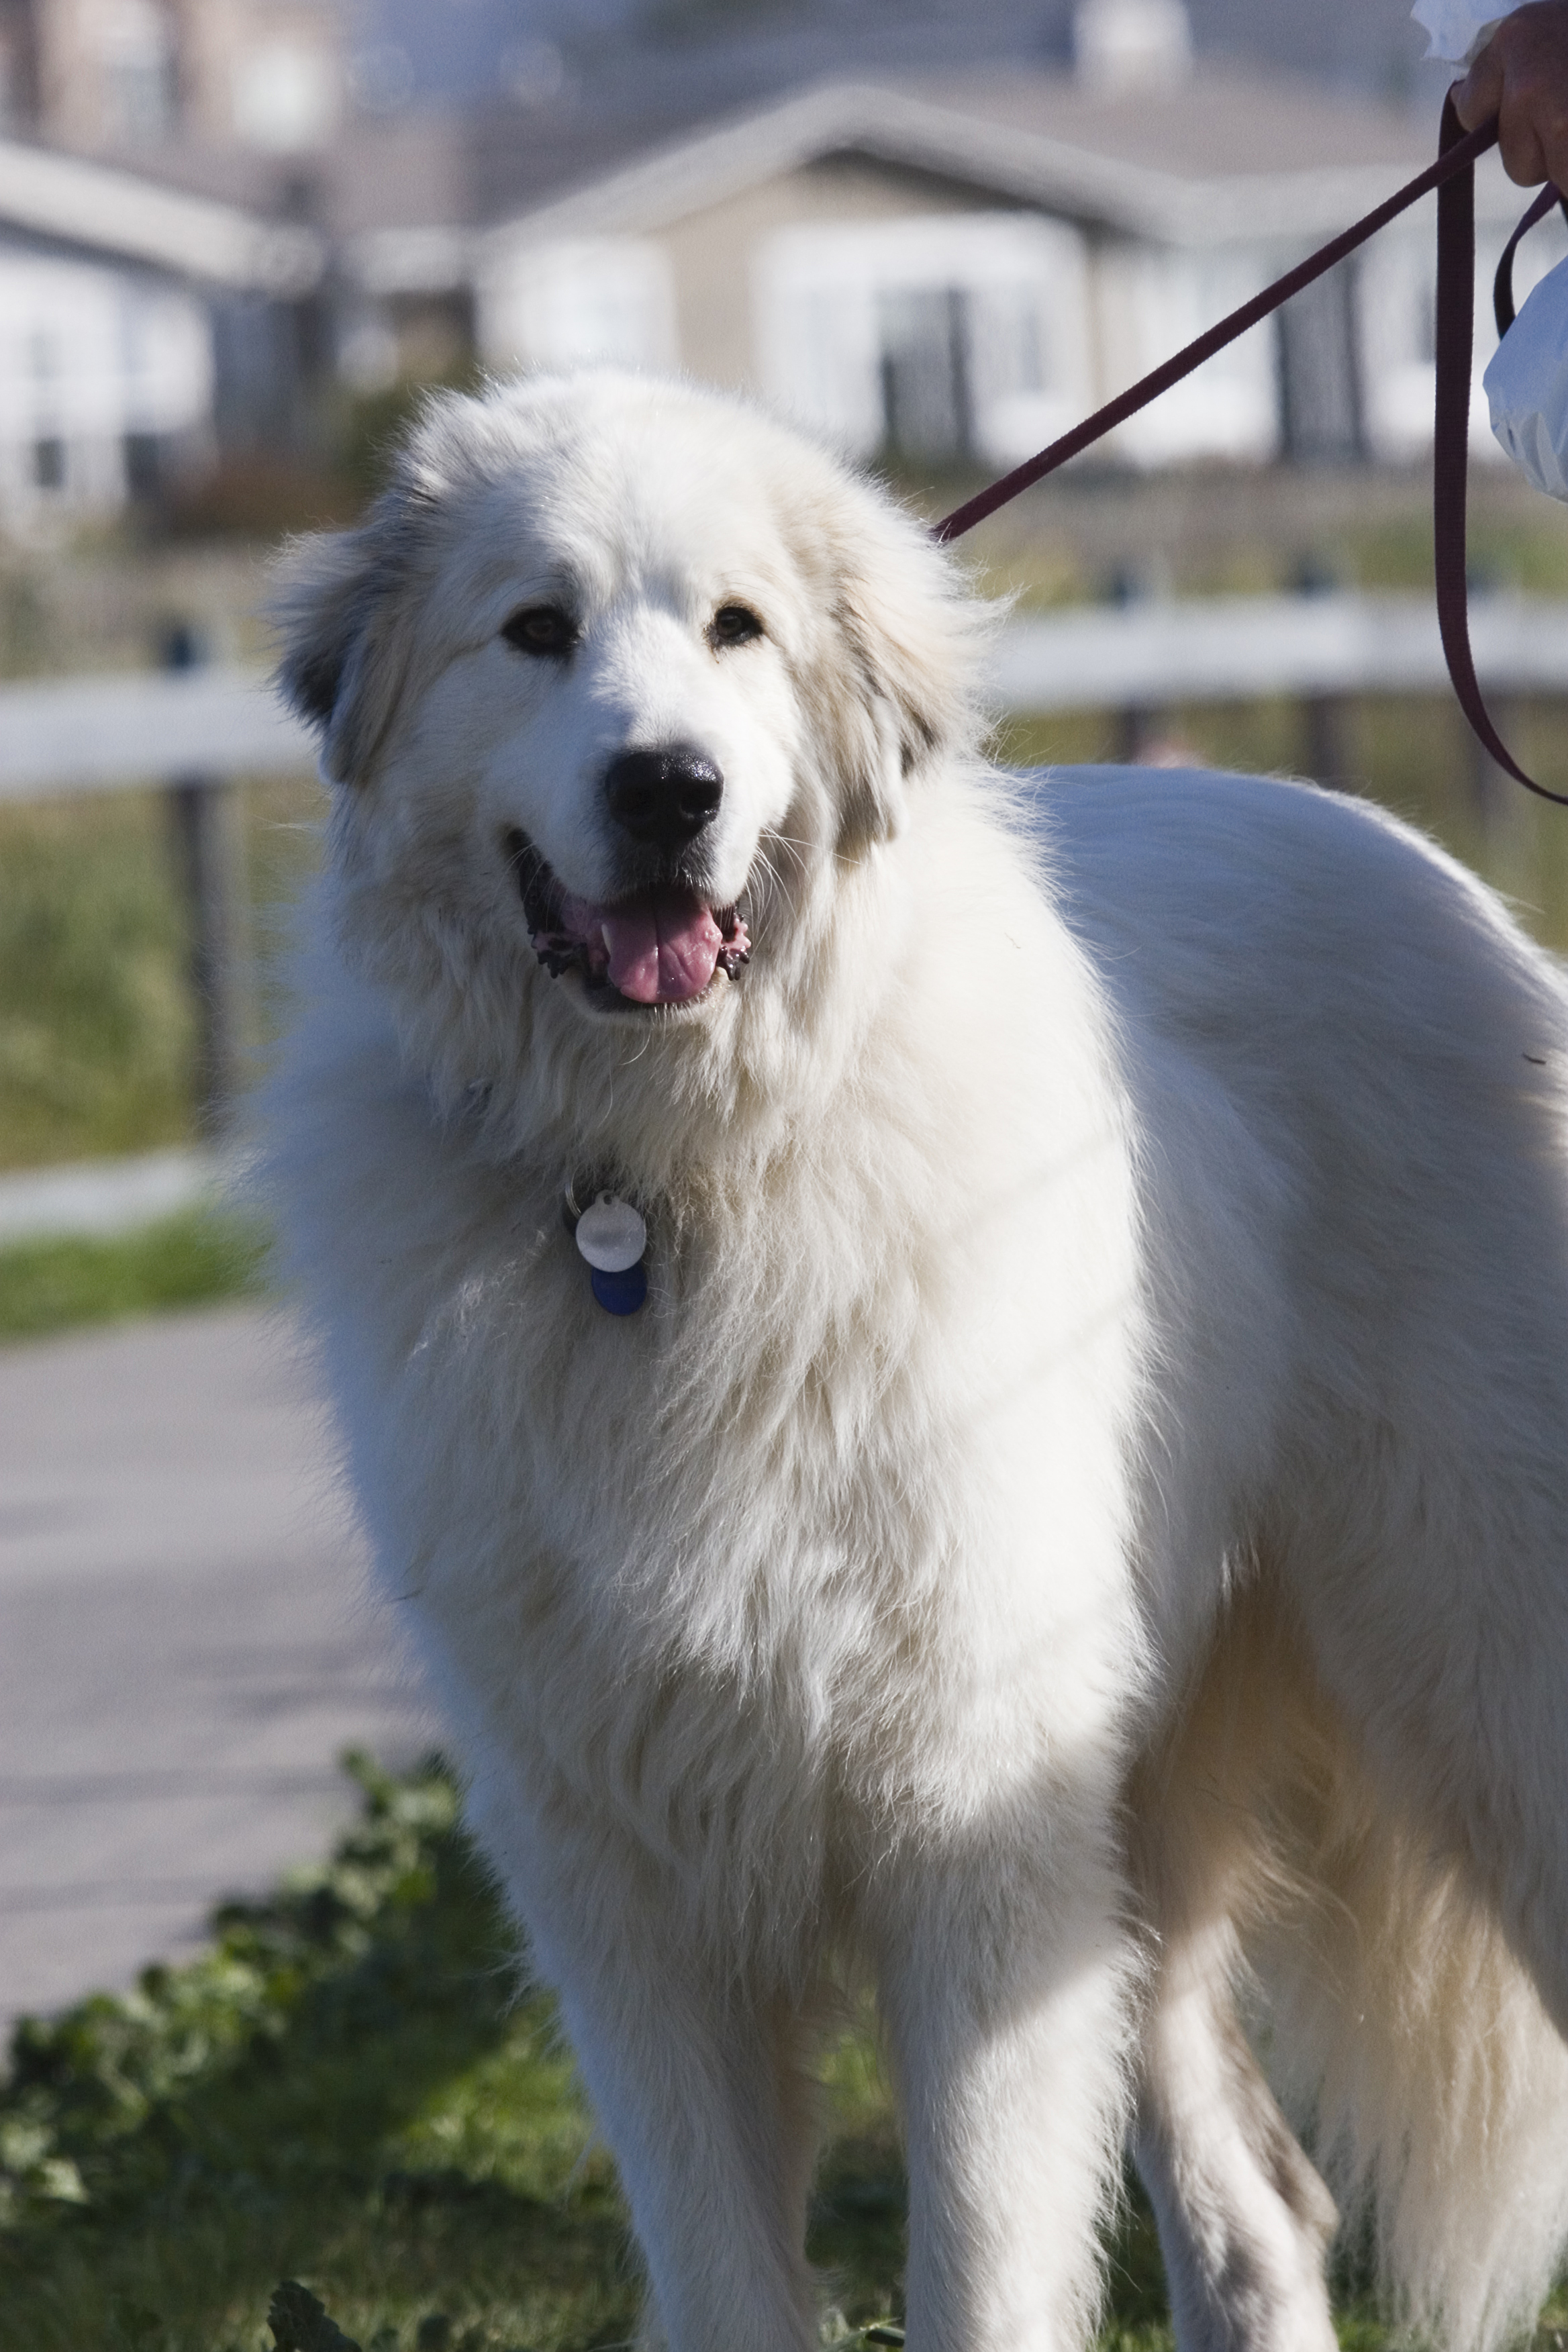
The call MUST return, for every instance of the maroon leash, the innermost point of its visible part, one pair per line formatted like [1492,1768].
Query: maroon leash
[1451,431]
[1453,176]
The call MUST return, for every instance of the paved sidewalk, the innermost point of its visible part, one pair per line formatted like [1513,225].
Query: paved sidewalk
[185,1646]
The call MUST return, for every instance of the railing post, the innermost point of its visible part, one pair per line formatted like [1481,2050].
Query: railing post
[1139,729]
[1329,760]
[1329,718]
[210,851]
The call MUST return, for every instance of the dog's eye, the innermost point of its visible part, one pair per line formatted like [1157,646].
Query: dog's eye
[734,625]
[541,629]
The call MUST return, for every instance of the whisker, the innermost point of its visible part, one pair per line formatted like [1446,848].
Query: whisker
[788,842]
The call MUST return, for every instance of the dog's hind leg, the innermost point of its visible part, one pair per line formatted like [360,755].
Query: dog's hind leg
[1245,2221]
[1244,2218]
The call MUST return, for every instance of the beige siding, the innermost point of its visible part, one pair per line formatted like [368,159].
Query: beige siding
[711,251]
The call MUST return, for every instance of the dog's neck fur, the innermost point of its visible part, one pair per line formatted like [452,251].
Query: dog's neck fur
[553,1087]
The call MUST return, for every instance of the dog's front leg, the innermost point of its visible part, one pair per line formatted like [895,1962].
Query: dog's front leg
[1007,1985]
[701,2085]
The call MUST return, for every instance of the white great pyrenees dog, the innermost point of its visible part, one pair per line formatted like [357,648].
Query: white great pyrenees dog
[1078,1531]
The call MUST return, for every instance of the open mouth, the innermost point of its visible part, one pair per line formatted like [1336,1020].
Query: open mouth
[660,945]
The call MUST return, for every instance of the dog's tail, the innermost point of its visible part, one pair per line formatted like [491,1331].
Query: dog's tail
[1414,2052]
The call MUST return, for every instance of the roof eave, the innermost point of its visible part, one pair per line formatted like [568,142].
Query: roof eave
[1026,167]
[118,213]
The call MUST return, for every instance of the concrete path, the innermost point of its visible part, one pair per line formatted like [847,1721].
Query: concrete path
[185,1646]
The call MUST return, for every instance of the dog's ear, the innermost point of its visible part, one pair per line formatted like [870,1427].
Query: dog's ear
[915,637]
[340,606]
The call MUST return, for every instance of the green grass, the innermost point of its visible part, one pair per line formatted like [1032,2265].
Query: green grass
[356,2088]
[96,1030]
[95,1021]
[353,2088]
[1411,754]
[190,1260]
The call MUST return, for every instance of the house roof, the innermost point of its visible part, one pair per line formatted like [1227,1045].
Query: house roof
[425,203]
[129,217]
[1226,156]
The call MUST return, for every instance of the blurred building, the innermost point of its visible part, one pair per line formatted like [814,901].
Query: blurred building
[949,265]
[956,269]
[131,77]
[139,327]
[148,320]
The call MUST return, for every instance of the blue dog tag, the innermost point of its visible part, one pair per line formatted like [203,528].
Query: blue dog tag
[620,1293]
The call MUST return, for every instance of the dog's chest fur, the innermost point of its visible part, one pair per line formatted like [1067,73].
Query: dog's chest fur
[745,1567]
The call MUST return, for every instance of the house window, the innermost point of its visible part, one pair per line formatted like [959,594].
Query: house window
[144,466]
[925,371]
[948,336]
[1153,299]
[103,374]
[140,90]
[285,97]
[1319,355]
[581,300]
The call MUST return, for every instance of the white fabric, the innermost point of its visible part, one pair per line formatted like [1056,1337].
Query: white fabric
[1455,29]
[1527,384]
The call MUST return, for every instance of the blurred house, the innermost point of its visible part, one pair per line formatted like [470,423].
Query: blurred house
[958,271]
[148,319]
[138,327]
[128,76]
[951,268]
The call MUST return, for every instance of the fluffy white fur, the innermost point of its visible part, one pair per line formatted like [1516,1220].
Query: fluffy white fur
[1079,1530]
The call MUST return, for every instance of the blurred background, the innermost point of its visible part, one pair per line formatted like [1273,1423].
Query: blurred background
[239,236]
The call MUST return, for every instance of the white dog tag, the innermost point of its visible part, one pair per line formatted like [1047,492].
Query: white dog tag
[611,1234]
[1527,384]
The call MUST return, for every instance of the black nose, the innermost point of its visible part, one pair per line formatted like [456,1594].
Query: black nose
[665,797]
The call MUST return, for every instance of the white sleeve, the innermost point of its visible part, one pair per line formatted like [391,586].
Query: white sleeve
[1527,385]
[1455,29]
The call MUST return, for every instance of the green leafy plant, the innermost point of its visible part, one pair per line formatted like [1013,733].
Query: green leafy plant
[299,2323]
[355,2091]
[352,2115]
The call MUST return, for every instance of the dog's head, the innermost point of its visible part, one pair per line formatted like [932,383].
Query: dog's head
[619,685]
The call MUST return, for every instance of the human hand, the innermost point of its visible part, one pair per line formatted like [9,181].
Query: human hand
[1522,77]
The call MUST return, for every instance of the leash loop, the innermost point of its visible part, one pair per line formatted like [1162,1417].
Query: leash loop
[1503,284]
[1451,438]
[1452,177]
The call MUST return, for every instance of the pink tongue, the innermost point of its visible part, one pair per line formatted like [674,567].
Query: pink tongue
[662,946]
